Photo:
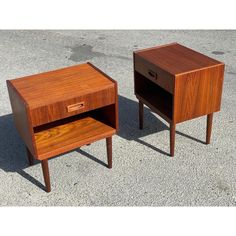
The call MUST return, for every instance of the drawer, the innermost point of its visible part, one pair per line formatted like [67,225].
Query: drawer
[154,73]
[74,106]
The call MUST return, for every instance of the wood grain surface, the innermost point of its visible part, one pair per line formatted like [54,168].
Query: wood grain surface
[59,110]
[68,136]
[22,120]
[177,59]
[44,98]
[195,80]
[61,85]
[198,93]
[156,74]
[179,84]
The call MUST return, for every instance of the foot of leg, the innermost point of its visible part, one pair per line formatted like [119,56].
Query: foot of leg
[209,128]
[172,139]
[109,151]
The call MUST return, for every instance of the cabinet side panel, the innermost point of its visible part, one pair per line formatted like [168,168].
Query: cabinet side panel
[21,120]
[116,108]
[198,93]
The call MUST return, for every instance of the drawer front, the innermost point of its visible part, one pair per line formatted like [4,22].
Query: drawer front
[154,73]
[74,106]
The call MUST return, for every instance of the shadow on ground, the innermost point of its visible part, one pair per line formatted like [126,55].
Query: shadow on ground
[129,124]
[13,156]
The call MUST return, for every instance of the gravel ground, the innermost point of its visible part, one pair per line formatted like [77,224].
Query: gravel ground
[142,173]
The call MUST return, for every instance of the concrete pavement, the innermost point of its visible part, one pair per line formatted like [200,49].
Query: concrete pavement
[142,173]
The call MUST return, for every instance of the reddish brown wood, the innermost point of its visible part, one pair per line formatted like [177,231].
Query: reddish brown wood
[112,111]
[172,139]
[46,175]
[49,94]
[61,110]
[140,115]
[154,73]
[61,85]
[176,59]
[109,151]
[30,157]
[198,93]
[178,83]
[64,137]
[21,117]
[209,128]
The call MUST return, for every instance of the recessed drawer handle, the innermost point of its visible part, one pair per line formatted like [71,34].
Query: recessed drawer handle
[75,107]
[153,74]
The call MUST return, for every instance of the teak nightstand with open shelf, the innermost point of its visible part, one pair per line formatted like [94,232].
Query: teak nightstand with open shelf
[58,111]
[178,84]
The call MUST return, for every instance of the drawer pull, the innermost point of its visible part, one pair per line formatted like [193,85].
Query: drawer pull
[152,74]
[75,107]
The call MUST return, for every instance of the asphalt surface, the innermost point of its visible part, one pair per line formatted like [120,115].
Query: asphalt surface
[142,174]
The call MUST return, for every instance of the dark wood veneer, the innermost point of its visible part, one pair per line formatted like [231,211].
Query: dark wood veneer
[178,84]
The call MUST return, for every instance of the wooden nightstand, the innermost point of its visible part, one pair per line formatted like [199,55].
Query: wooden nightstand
[58,111]
[178,84]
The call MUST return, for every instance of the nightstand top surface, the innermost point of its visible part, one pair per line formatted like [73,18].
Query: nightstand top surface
[58,85]
[177,59]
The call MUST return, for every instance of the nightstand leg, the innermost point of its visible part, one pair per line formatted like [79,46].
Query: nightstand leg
[109,151]
[209,128]
[172,139]
[140,115]
[30,157]
[46,176]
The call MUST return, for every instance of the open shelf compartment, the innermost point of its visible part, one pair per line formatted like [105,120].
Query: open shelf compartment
[154,96]
[69,133]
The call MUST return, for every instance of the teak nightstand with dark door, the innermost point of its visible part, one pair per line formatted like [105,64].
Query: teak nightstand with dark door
[178,84]
[58,111]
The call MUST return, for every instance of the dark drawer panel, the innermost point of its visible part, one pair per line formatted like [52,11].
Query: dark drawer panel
[154,73]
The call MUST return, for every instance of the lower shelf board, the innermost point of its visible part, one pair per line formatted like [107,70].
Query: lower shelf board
[65,137]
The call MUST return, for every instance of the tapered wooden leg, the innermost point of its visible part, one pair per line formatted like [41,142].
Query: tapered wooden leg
[172,139]
[140,115]
[30,157]
[109,151]
[209,128]
[46,176]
